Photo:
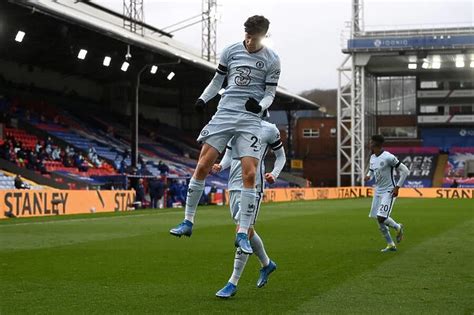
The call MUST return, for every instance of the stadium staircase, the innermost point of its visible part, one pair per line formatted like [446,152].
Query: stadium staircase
[438,176]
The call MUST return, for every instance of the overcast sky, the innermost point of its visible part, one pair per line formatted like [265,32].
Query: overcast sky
[305,33]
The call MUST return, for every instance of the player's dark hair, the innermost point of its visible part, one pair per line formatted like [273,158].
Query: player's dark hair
[256,24]
[378,139]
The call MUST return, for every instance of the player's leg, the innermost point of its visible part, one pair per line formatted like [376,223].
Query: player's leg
[230,289]
[390,222]
[259,249]
[248,195]
[247,204]
[398,227]
[268,265]
[207,158]
[376,204]
[234,205]
[246,146]
[214,144]
[255,241]
[383,212]
[240,259]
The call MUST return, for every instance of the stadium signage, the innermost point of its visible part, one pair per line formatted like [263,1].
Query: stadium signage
[295,194]
[36,203]
[445,119]
[30,203]
[419,165]
[122,201]
[411,42]
[455,193]
[354,192]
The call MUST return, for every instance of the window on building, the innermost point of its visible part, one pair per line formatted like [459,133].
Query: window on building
[396,95]
[408,132]
[310,133]
[430,109]
[460,110]
[429,85]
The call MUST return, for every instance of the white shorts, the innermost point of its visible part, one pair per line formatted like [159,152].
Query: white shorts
[382,205]
[234,205]
[244,130]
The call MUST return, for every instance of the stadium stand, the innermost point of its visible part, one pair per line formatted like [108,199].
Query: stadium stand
[109,138]
[7,181]
[421,161]
[445,138]
[432,167]
[459,171]
[438,176]
[25,148]
[88,107]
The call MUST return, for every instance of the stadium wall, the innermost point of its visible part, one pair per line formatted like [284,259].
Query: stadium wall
[37,203]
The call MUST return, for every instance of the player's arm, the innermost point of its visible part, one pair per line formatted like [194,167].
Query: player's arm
[271,83]
[280,161]
[404,172]
[267,100]
[226,159]
[215,85]
[369,175]
[225,162]
[279,165]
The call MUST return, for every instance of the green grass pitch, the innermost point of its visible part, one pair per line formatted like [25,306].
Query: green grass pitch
[327,254]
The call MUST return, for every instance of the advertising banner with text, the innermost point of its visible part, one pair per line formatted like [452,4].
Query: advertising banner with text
[31,203]
[294,194]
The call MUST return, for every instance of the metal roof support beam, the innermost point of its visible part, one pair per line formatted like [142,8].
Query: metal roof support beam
[133,16]
[209,30]
[351,122]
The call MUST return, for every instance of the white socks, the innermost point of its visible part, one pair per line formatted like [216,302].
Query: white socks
[259,249]
[386,233]
[240,261]
[247,209]
[391,223]
[195,189]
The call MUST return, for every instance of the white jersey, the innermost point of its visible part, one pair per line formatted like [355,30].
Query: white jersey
[270,139]
[248,74]
[383,168]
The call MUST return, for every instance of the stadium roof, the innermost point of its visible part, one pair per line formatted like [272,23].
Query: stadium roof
[412,40]
[430,52]
[110,24]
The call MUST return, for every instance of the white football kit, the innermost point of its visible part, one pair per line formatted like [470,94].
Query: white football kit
[270,140]
[383,167]
[249,76]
